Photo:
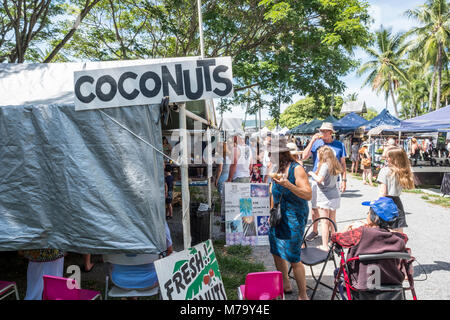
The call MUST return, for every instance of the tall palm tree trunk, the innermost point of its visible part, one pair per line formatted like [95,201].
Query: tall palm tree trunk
[430,97]
[438,93]
[391,89]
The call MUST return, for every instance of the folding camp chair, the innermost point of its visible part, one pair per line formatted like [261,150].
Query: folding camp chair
[58,288]
[377,292]
[311,256]
[262,286]
[122,261]
[7,288]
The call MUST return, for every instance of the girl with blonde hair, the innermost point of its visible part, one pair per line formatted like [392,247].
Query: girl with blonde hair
[328,195]
[395,177]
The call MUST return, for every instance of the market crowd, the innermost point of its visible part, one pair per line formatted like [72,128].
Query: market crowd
[306,179]
[298,185]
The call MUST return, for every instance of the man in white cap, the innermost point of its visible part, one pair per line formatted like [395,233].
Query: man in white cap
[322,138]
[242,161]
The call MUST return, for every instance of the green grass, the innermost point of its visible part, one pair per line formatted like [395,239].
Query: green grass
[437,200]
[441,201]
[357,176]
[417,191]
[432,198]
[235,263]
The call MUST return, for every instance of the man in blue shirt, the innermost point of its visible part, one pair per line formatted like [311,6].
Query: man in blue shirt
[324,137]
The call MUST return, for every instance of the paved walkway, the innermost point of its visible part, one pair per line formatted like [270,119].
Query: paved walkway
[428,233]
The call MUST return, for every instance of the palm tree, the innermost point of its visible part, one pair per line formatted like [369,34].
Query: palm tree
[445,89]
[351,97]
[412,97]
[432,39]
[405,98]
[386,66]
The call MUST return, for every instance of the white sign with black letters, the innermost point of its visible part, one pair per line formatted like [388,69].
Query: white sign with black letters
[148,84]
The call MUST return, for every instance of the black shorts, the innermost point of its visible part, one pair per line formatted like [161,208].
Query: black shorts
[401,221]
[169,197]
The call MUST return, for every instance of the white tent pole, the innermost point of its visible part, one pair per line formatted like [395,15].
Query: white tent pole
[208,116]
[209,174]
[200,25]
[185,214]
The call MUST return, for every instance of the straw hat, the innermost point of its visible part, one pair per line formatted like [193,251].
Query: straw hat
[293,148]
[327,126]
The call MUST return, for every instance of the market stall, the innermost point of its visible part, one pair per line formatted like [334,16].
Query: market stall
[311,127]
[384,118]
[82,165]
[331,119]
[430,130]
[378,132]
[349,123]
[74,180]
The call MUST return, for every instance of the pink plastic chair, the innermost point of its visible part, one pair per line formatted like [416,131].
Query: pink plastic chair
[57,288]
[7,288]
[262,286]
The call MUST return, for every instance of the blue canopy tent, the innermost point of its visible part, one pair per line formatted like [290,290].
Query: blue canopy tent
[310,127]
[350,122]
[435,121]
[331,119]
[296,129]
[384,118]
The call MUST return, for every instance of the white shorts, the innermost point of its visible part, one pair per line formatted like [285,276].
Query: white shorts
[314,193]
[331,204]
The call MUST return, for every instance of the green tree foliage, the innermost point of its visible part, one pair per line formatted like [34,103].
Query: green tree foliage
[279,48]
[387,67]
[308,109]
[370,114]
[431,41]
[26,27]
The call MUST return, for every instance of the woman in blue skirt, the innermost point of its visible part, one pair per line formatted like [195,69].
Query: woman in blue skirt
[292,190]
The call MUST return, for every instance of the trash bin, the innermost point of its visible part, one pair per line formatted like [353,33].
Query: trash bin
[200,216]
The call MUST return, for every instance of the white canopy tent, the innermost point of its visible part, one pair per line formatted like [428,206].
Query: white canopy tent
[378,130]
[231,124]
[357,107]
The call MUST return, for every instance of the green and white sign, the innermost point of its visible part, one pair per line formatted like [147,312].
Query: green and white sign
[192,274]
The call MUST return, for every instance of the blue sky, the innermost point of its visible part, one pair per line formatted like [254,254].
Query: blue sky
[390,14]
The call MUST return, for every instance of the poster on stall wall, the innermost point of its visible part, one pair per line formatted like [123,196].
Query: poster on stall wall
[247,207]
[192,274]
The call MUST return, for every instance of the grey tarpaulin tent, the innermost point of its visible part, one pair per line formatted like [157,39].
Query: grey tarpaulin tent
[75,180]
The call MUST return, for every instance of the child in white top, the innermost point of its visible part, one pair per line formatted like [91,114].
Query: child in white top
[328,196]
[395,177]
